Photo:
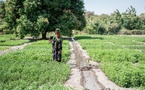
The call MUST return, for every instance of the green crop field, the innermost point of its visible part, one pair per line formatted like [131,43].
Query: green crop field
[32,68]
[122,58]
[6,41]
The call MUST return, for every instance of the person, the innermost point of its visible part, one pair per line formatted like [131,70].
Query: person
[56,41]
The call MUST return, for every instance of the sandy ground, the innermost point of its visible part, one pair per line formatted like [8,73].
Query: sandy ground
[75,78]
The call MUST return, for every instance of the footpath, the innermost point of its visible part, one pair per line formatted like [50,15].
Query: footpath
[13,48]
[85,73]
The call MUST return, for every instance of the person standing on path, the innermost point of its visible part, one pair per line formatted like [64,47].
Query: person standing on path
[56,41]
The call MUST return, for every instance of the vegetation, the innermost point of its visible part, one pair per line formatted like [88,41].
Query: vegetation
[33,68]
[122,58]
[37,17]
[1,13]
[116,23]
[4,47]
[10,40]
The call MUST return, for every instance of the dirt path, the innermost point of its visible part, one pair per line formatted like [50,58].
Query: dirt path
[85,74]
[13,48]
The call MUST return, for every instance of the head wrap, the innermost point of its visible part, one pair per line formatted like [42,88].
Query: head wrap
[57,33]
[57,29]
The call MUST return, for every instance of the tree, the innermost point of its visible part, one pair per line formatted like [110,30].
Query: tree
[93,22]
[114,23]
[142,17]
[2,12]
[130,19]
[41,16]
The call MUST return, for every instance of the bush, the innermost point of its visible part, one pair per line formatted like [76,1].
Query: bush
[131,32]
[114,28]
[124,32]
[137,32]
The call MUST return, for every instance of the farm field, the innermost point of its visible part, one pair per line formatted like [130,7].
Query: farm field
[6,41]
[122,58]
[33,69]
[101,50]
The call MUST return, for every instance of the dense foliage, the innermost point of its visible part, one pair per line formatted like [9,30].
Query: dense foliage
[127,22]
[122,58]
[37,17]
[33,69]
[1,13]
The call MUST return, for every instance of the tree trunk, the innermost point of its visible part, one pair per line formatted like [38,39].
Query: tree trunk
[44,35]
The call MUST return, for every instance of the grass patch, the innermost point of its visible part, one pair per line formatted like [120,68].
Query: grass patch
[4,47]
[11,40]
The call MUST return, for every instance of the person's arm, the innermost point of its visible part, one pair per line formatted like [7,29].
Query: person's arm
[50,39]
[61,38]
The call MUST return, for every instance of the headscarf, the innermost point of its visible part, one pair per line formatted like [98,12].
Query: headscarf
[57,33]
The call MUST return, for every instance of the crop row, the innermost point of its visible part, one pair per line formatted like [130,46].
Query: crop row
[122,58]
[32,68]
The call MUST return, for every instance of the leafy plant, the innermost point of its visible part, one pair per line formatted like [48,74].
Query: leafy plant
[33,68]
[120,57]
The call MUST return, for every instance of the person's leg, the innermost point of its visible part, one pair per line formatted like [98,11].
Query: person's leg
[55,51]
[59,51]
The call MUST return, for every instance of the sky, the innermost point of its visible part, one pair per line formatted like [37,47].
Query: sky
[109,6]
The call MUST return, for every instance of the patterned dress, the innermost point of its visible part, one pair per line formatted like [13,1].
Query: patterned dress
[56,49]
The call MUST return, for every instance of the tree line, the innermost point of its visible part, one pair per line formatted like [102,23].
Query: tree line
[37,17]
[127,22]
